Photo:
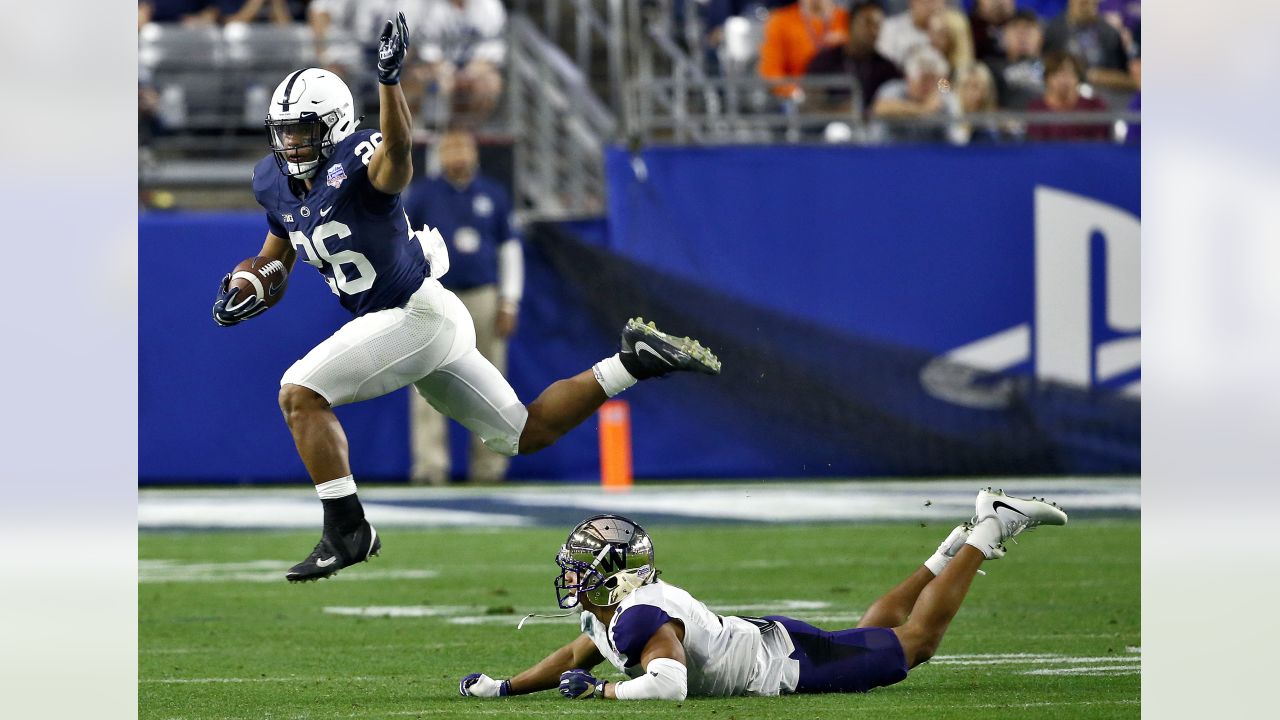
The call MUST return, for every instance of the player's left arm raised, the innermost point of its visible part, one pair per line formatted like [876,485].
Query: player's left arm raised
[391,167]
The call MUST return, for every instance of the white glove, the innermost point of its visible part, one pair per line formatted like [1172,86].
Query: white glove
[481,685]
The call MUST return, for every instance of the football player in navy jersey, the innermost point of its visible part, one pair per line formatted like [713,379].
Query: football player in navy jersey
[332,198]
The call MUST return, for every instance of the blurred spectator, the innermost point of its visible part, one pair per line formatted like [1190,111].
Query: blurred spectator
[918,97]
[1019,72]
[949,35]
[346,31]
[149,123]
[1063,74]
[280,12]
[977,93]
[1082,32]
[858,56]
[1126,17]
[793,35]
[710,17]
[1044,8]
[906,31]
[486,271]
[464,49]
[187,12]
[346,36]
[986,23]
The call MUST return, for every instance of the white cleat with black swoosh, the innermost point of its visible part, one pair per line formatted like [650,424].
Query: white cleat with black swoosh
[998,517]
[648,352]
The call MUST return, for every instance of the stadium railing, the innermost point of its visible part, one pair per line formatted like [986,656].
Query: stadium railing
[561,128]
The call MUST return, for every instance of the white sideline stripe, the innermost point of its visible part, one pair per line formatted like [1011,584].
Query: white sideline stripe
[947,501]
[249,509]
[1097,670]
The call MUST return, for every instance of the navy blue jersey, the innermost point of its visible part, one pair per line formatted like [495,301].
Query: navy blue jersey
[357,236]
[474,221]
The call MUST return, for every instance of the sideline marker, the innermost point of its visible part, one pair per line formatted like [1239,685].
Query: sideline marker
[615,446]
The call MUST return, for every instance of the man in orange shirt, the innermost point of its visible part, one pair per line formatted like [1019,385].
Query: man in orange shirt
[793,35]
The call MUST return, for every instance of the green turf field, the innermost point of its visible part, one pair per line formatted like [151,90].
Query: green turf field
[1051,632]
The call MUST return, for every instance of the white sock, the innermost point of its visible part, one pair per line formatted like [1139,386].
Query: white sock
[612,376]
[985,536]
[936,563]
[335,489]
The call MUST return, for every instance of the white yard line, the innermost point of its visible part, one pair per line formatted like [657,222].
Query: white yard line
[1094,670]
[1049,659]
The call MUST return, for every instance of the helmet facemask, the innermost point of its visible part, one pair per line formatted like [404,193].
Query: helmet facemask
[605,559]
[300,144]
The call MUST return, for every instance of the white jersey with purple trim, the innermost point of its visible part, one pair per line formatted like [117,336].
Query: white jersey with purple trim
[725,655]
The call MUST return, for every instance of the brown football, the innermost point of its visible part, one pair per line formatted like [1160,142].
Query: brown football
[262,276]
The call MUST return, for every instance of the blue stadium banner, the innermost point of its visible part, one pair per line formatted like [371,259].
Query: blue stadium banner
[879,311]
[994,256]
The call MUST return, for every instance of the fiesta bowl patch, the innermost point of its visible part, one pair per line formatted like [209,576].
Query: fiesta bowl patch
[336,176]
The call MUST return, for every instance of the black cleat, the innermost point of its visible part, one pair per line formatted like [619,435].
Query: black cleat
[334,552]
[648,352]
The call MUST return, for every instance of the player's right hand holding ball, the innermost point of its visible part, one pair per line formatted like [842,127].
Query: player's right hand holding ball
[232,305]
[481,685]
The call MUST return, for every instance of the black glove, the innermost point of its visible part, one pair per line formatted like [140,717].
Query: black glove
[391,50]
[229,308]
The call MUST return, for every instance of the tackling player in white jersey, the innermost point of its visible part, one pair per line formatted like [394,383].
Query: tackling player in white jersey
[672,646]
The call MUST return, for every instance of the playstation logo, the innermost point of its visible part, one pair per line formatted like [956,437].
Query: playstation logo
[1085,328]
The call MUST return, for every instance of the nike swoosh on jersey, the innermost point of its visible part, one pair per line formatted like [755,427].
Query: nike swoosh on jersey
[325,211]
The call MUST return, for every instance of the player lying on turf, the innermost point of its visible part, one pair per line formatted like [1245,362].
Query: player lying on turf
[672,646]
[332,197]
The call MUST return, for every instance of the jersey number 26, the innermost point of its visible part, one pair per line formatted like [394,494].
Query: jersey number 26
[359,274]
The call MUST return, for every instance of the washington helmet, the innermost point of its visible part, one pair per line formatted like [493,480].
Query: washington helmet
[605,558]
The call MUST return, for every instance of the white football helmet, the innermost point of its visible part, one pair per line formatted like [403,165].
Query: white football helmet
[311,111]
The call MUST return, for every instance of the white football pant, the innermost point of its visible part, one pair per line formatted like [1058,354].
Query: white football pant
[429,343]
